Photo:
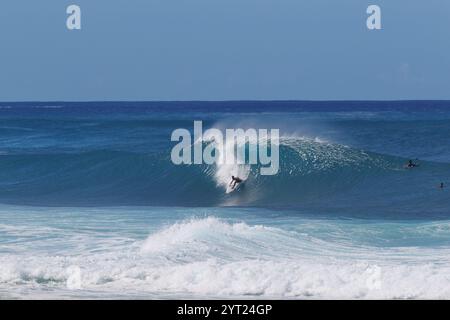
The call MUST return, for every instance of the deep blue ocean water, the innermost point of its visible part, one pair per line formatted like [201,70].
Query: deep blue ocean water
[89,196]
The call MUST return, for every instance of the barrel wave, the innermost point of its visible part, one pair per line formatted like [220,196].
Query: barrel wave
[311,171]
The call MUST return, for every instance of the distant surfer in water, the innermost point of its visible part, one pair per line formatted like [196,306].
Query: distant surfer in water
[441,186]
[234,181]
[411,164]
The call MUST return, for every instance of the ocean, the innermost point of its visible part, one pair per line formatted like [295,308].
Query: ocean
[91,206]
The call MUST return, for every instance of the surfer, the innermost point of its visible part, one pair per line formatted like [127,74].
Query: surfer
[234,181]
[411,164]
[441,186]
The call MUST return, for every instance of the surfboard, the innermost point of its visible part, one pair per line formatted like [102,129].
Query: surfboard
[230,189]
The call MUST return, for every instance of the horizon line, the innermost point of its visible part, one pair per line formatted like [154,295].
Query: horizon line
[231,100]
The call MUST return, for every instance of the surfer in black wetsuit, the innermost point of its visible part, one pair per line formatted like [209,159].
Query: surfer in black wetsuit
[234,181]
[411,164]
[441,186]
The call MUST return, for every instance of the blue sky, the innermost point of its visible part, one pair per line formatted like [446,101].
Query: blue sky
[224,50]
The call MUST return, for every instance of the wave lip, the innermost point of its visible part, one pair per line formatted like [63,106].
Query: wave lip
[212,238]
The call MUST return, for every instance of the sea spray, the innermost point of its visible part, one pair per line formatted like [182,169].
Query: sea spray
[239,147]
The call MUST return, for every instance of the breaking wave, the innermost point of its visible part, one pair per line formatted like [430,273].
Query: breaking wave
[211,257]
[310,169]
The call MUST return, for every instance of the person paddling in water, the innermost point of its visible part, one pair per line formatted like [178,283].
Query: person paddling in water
[234,181]
[411,164]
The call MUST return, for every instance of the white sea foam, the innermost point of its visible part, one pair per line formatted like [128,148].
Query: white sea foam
[225,169]
[210,257]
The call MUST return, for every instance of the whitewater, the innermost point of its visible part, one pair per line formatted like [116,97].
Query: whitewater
[91,206]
